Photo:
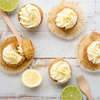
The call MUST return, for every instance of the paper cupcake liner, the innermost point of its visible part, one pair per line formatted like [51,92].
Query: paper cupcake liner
[71,33]
[6,68]
[88,66]
[90,71]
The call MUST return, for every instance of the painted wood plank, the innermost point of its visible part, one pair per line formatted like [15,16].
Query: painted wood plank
[11,85]
[48,45]
[44,41]
[37,98]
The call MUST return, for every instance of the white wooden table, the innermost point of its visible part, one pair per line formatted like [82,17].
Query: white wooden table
[48,47]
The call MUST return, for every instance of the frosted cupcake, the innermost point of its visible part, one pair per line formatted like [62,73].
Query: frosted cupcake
[12,57]
[30,16]
[89,51]
[14,54]
[66,19]
[60,71]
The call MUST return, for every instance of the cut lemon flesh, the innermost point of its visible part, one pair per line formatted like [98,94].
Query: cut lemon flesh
[9,5]
[71,92]
[31,78]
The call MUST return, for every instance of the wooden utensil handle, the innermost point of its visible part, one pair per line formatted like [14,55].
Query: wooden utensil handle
[89,96]
[11,26]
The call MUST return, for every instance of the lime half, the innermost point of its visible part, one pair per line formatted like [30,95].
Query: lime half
[71,92]
[9,5]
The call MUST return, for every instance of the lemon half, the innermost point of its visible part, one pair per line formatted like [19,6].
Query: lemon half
[31,78]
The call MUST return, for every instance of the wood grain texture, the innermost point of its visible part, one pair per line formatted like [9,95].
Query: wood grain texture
[49,47]
[12,87]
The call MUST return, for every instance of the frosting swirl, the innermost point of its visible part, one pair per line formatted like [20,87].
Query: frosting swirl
[10,55]
[93,52]
[60,71]
[30,16]
[67,18]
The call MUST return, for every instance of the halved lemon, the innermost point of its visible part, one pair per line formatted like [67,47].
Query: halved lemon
[31,78]
[9,5]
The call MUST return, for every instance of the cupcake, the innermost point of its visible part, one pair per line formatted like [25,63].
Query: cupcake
[12,58]
[28,48]
[88,52]
[60,71]
[30,16]
[66,19]
[91,52]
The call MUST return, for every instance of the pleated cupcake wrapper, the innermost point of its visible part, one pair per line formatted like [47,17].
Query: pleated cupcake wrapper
[71,33]
[6,68]
[88,66]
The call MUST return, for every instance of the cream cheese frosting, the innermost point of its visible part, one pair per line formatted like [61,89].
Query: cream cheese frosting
[11,56]
[67,18]
[30,16]
[20,50]
[60,72]
[93,52]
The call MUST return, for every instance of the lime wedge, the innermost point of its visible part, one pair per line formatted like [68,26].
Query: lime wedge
[71,92]
[9,5]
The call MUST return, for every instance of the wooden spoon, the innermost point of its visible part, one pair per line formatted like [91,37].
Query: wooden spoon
[28,46]
[11,26]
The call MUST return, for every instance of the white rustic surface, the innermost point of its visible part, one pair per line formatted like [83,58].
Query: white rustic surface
[48,47]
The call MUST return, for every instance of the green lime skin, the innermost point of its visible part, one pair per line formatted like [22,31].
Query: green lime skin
[71,92]
[8,5]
